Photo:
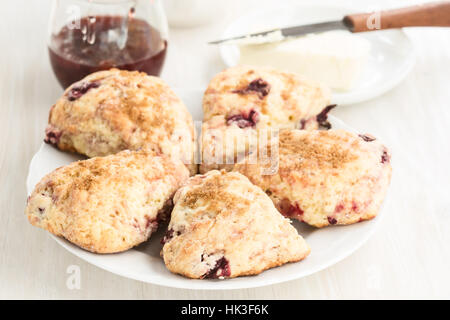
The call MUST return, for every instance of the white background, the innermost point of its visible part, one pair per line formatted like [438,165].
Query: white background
[409,255]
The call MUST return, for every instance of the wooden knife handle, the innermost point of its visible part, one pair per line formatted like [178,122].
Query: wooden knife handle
[436,14]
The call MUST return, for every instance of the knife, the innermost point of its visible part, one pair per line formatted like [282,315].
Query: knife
[435,14]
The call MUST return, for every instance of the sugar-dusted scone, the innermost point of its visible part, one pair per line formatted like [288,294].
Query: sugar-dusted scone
[114,110]
[323,177]
[261,96]
[241,101]
[107,204]
[222,226]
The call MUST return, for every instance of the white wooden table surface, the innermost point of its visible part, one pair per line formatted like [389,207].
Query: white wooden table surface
[409,255]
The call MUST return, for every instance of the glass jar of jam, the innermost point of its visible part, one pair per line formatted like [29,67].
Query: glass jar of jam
[92,35]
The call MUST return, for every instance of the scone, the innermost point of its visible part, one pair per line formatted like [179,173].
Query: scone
[323,177]
[243,102]
[114,110]
[107,204]
[222,226]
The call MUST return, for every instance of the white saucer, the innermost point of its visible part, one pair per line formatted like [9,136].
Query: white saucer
[328,245]
[391,59]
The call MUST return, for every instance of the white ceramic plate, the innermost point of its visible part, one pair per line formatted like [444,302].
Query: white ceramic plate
[328,245]
[391,58]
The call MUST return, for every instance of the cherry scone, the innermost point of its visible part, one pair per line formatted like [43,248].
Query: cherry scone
[114,110]
[243,102]
[223,226]
[322,177]
[107,204]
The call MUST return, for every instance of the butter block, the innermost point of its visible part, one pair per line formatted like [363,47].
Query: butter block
[334,58]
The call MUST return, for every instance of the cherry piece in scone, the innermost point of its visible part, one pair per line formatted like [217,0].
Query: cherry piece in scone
[258,86]
[52,135]
[385,157]
[244,121]
[220,270]
[367,137]
[332,220]
[79,90]
[289,209]
[322,117]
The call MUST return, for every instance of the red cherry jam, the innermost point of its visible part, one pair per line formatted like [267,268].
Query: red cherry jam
[104,42]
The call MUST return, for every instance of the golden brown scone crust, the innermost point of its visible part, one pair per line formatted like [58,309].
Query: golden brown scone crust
[222,226]
[114,110]
[324,177]
[107,204]
[242,100]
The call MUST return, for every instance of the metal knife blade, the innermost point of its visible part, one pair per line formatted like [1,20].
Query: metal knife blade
[294,31]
